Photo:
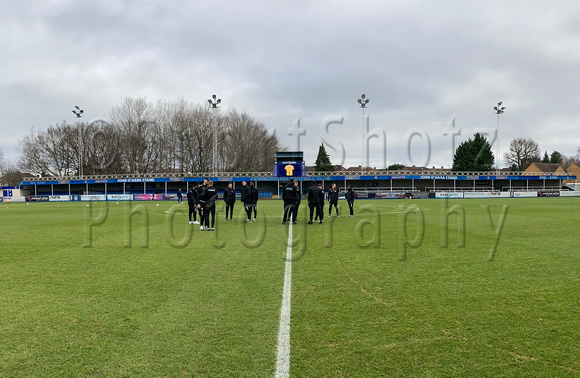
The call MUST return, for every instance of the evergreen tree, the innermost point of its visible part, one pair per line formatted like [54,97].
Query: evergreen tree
[473,155]
[546,158]
[556,157]
[395,167]
[323,163]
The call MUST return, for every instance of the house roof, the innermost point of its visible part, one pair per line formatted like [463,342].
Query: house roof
[361,169]
[545,167]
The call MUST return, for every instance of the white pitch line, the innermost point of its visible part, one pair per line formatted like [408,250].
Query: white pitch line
[283,362]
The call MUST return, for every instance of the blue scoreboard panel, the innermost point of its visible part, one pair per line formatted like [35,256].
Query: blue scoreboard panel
[288,169]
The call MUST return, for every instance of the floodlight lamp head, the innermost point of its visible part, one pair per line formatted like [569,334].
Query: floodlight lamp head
[359,101]
[78,112]
[363,96]
[219,100]
[214,97]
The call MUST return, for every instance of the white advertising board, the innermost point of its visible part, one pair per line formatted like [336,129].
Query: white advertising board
[59,198]
[524,194]
[94,197]
[486,194]
[120,197]
[449,195]
[569,193]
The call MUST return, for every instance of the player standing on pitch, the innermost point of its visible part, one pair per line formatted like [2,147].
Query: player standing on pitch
[321,203]
[289,196]
[246,199]
[210,195]
[192,204]
[298,200]
[179,196]
[314,202]
[333,200]
[201,203]
[254,199]
[229,199]
[350,194]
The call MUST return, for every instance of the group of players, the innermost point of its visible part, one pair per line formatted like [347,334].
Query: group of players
[201,199]
[292,198]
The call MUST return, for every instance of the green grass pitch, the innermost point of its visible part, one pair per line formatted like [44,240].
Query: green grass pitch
[406,288]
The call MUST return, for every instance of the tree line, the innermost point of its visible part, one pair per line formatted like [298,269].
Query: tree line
[476,155]
[525,151]
[143,137]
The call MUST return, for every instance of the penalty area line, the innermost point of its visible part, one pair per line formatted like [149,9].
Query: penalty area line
[283,361]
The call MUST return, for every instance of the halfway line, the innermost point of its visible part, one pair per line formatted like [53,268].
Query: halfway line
[283,363]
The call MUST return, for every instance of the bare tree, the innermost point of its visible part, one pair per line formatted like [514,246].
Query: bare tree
[2,168]
[522,153]
[55,151]
[170,136]
[248,147]
[136,120]
[191,137]
[166,145]
[32,160]
[11,175]
[103,146]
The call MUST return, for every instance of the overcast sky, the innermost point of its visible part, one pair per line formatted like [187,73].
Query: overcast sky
[421,64]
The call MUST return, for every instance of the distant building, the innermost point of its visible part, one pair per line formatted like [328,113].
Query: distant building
[544,169]
[337,168]
[573,169]
[361,169]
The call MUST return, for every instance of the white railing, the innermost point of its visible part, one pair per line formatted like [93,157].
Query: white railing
[270,174]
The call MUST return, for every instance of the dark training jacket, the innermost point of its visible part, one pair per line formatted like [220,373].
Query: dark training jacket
[229,196]
[290,194]
[246,194]
[314,194]
[254,196]
[192,198]
[210,195]
[333,195]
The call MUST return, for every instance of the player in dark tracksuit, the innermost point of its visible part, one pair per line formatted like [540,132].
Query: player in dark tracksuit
[192,204]
[298,199]
[210,195]
[333,200]
[314,202]
[321,203]
[254,199]
[350,200]
[289,196]
[229,199]
[201,202]
[246,199]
